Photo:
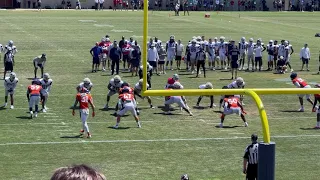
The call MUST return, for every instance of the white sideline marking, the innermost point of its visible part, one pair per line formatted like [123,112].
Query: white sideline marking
[50,116]
[60,126]
[121,30]
[147,140]
[64,130]
[103,25]
[87,20]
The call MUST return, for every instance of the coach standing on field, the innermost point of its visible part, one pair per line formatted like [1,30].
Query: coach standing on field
[250,159]
[305,56]
[95,52]
[153,57]
[115,56]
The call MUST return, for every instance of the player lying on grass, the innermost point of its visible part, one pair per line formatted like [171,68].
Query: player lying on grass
[33,95]
[127,103]
[46,84]
[86,84]
[84,98]
[114,87]
[300,83]
[232,105]
[137,92]
[315,108]
[10,84]
[180,100]
[208,85]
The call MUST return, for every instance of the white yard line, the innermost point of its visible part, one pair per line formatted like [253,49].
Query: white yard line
[148,140]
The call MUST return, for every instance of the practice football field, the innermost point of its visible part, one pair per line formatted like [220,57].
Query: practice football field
[167,145]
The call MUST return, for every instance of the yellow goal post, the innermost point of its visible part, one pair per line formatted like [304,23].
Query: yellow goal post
[254,93]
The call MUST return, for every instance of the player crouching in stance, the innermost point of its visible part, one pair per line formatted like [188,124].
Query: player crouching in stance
[315,108]
[180,100]
[33,95]
[137,92]
[208,85]
[86,84]
[46,84]
[127,103]
[10,84]
[84,98]
[232,105]
[281,66]
[114,87]
[300,83]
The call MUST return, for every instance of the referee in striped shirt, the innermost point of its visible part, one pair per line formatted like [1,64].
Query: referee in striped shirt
[250,159]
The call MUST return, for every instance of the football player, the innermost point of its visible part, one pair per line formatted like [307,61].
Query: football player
[33,95]
[243,45]
[127,103]
[287,53]
[193,50]
[275,56]
[149,73]
[300,83]
[258,50]
[10,84]
[223,52]
[232,105]
[105,50]
[171,49]
[46,84]
[281,66]
[8,60]
[114,87]
[157,43]
[137,92]
[180,100]
[13,48]
[208,85]
[237,84]
[211,53]
[315,108]
[271,52]
[126,50]
[86,83]
[84,98]
[250,56]
[281,49]
[39,62]
[1,50]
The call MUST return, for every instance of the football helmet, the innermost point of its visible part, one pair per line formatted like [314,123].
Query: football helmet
[293,75]
[222,38]
[175,77]
[281,57]
[10,43]
[209,85]
[286,43]
[86,81]
[170,81]
[172,37]
[251,40]
[177,85]
[107,40]
[254,138]
[35,82]
[141,82]
[116,78]
[271,41]
[46,76]
[239,81]
[243,39]
[12,76]
[125,84]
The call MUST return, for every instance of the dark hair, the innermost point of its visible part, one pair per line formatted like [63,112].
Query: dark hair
[77,172]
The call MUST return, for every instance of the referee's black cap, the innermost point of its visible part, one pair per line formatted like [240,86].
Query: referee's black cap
[254,138]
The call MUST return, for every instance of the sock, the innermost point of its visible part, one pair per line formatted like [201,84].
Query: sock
[318,123]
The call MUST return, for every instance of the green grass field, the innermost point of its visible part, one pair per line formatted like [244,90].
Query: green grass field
[166,146]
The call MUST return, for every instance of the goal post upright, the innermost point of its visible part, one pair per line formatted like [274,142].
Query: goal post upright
[144,44]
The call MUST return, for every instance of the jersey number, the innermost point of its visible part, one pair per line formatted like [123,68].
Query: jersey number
[84,99]
[34,87]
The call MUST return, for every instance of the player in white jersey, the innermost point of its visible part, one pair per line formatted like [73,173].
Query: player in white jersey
[39,62]
[86,84]
[281,51]
[258,50]
[113,86]
[46,84]
[171,48]
[13,48]
[193,50]
[211,53]
[208,85]
[237,84]
[216,55]
[271,51]
[131,42]
[243,45]
[137,92]
[10,84]
[157,43]
[1,50]
[223,52]
[150,43]
[250,56]
[288,50]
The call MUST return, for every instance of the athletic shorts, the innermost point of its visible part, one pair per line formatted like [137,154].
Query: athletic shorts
[128,107]
[170,57]
[34,100]
[111,93]
[153,63]
[126,58]
[270,58]
[305,61]
[8,66]
[175,99]
[7,92]
[307,95]
[161,62]
[178,58]
[234,64]
[95,60]
[211,58]
[228,111]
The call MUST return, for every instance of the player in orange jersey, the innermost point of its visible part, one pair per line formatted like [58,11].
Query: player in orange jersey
[232,105]
[84,98]
[127,103]
[33,95]
[300,83]
[315,108]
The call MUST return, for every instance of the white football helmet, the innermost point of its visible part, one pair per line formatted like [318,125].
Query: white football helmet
[222,38]
[12,76]
[209,85]
[286,43]
[86,81]
[251,39]
[46,76]
[177,85]
[175,77]
[107,40]
[141,82]
[243,39]
[103,39]
[10,43]
[239,81]
[171,37]
[116,78]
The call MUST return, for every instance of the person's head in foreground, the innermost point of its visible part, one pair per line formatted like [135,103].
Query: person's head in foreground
[77,172]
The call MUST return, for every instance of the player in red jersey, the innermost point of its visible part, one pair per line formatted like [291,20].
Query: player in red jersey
[232,105]
[33,95]
[84,98]
[127,103]
[300,83]
[315,108]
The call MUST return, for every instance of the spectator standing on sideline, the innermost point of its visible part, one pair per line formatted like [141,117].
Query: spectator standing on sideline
[39,62]
[63,4]
[95,52]
[153,57]
[29,4]
[18,3]
[96,5]
[101,4]
[179,54]
[186,7]
[78,5]
[80,172]
[115,56]
[305,56]
[68,4]
[39,5]
[250,159]
[8,61]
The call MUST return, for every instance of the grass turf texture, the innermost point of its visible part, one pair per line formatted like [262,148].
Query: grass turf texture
[66,41]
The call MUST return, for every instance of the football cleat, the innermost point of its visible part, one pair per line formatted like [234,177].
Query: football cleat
[81,132]
[246,124]
[35,114]
[115,127]
[301,110]
[11,107]
[221,125]
[31,114]
[44,110]
[316,127]
[89,135]
[106,107]
[5,104]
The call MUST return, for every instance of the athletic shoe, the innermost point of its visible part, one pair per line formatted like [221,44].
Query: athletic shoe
[106,107]
[221,125]
[35,114]
[213,105]
[291,70]
[190,114]
[11,107]
[316,127]
[151,106]
[115,127]
[81,132]
[89,135]
[139,125]
[301,110]
[31,114]
[246,124]
[5,104]
[44,110]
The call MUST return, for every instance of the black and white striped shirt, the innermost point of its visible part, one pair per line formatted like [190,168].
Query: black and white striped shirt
[251,153]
